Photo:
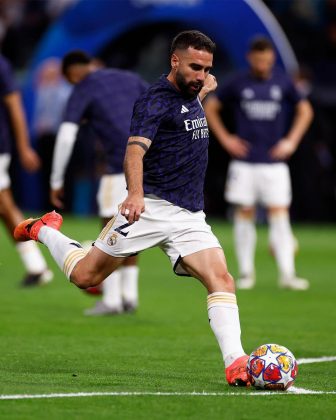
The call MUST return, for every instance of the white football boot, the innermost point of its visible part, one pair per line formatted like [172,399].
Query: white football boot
[293,283]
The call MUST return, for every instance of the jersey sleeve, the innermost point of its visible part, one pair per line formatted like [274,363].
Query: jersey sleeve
[148,113]
[7,82]
[77,104]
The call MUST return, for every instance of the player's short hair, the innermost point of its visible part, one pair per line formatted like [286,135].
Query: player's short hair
[194,39]
[74,57]
[260,43]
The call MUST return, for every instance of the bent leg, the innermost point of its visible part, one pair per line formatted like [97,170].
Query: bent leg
[93,268]
[82,268]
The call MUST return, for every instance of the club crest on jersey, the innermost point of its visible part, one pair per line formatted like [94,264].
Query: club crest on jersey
[184,109]
[247,93]
[112,240]
[275,93]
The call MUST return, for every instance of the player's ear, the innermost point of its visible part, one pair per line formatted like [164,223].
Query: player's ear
[174,61]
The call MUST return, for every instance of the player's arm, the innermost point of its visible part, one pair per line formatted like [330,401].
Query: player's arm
[234,145]
[134,204]
[65,141]
[301,121]
[28,157]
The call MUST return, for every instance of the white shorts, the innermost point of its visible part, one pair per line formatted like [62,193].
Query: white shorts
[4,166]
[112,192]
[268,184]
[177,231]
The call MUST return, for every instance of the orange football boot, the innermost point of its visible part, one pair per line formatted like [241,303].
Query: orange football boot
[236,373]
[29,228]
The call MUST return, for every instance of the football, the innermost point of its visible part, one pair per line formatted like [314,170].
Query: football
[272,367]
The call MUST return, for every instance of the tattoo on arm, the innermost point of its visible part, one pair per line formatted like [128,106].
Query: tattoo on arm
[139,143]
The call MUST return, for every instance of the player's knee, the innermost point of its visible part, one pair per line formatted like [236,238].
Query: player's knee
[247,213]
[83,279]
[228,281]
[220,281]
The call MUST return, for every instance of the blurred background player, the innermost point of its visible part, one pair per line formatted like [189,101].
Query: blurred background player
[262,99]
[52,93]
[13,123]
[103,99]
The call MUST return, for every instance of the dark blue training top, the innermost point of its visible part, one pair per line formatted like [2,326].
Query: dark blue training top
[105,99]
[7,86]
[261,110]
[175,164]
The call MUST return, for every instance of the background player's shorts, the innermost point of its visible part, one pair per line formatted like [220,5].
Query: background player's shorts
[111,192]
[268,184]
[4,166]
[177,231]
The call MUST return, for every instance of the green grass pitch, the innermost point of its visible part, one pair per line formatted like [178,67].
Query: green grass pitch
[47,345]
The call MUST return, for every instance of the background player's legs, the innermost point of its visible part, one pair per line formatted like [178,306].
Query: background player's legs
[241,191]
[36,267]
[282,243]
[209,266]
[119,289]
[245,241]
[129,272]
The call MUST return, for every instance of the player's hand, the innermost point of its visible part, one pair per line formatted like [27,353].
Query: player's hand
[236,146]
[210,84]
[132,207]
[56,198]
[283,150]
[30,160]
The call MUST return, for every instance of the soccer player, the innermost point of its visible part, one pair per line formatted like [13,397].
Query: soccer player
[104,99]
[165,164]
[261,98]
[13,125]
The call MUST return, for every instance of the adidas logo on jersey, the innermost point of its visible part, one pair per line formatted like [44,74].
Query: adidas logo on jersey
[184,109]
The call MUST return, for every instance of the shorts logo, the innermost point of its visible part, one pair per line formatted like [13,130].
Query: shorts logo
[112,240]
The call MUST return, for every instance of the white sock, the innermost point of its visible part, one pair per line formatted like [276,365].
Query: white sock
[65,251]
[281,240]
[129,284]
[112,290]
[31,257]
[245,241]
[224,321]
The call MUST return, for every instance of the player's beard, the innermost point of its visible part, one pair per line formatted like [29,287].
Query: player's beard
[187,87]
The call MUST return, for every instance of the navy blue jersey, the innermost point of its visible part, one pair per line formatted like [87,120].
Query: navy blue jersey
[7,86]
[105,100]
[175,164]
[261,110]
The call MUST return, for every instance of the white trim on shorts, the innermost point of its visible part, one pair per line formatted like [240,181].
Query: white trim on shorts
[177,231]
[111,192]
[248,184]
[5,182]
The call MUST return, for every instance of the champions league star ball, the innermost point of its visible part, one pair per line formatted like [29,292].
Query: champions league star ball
[272,367]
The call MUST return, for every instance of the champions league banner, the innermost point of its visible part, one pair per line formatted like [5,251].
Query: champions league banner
[91,25]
